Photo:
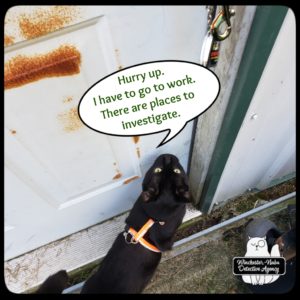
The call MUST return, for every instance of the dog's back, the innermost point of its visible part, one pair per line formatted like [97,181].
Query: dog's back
[126,269]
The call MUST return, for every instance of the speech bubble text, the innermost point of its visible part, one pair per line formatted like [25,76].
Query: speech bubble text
[149,98]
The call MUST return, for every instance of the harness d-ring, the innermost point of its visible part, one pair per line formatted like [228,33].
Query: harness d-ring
[132,240]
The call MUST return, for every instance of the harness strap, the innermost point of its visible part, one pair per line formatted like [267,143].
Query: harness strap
[143,242]
[137,237]
[143,230]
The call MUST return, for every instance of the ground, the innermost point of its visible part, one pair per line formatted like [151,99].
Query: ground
[208,268]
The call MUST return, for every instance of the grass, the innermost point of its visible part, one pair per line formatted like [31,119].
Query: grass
[212,280]
[208,268]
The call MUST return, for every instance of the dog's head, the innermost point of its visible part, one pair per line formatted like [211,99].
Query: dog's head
[163,199]
[165,186]
[166,173]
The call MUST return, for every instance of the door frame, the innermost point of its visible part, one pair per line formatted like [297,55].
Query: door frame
[265,27]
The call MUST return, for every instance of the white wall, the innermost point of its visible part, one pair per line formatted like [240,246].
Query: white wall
[264,149]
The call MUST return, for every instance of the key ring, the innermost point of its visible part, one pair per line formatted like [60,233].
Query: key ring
[210,49]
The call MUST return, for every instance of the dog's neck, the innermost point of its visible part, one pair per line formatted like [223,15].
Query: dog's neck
[137,217]
[163,211]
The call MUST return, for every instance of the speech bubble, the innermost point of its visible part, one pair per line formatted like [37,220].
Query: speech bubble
[149,98]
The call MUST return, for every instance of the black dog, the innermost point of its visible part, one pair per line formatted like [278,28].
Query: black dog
[128,266]
[55,283]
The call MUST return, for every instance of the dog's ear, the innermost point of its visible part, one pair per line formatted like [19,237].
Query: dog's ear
[146,180]
[187,196]
[146,196]
[149,194]
[183,194]
[165,245]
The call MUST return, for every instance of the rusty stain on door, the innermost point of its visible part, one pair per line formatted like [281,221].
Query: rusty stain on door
[8,40]
[136,139]
[120,66]
[22,69]
[130,179]
[70,120]
[117,176]
[67,99]
[138,152]
[42,21]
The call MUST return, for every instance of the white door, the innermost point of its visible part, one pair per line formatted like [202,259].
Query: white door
[60,176]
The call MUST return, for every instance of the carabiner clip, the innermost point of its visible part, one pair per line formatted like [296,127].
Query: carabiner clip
[223,16]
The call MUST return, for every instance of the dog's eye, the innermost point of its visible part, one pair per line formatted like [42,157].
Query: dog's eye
[177,171]
[157,170]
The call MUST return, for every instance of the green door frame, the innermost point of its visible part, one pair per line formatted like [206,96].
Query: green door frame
[266,24]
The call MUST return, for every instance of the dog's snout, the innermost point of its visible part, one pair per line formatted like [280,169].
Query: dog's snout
[168,159]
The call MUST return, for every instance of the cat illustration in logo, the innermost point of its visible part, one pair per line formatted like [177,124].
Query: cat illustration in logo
[258,247]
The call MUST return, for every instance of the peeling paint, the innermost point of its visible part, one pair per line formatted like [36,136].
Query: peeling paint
[117,176]
[130,179]
[30,269]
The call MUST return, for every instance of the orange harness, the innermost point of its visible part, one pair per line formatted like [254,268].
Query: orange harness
[137,237]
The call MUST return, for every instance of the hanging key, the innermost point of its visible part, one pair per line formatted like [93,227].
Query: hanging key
[206,49]
[208,43]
